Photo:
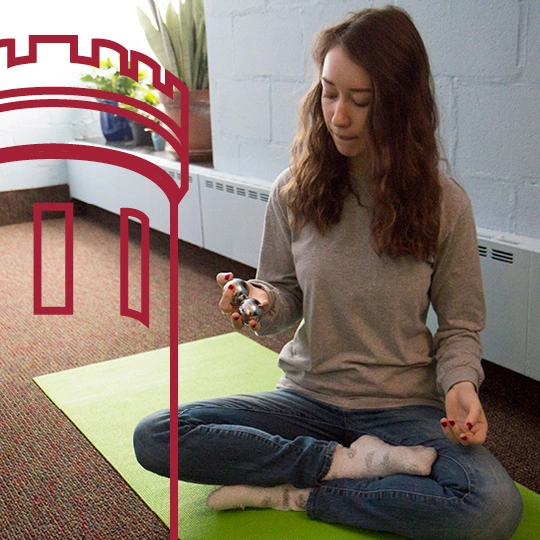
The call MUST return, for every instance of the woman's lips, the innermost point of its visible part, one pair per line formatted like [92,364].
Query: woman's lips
[344,137]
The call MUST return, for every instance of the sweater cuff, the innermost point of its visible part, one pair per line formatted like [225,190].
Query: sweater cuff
[462,374]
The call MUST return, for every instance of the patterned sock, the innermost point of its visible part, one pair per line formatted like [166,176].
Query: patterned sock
[369,457]
[285,497]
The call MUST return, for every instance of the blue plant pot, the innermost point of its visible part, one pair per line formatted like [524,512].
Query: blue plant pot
[113,126]
[158,141]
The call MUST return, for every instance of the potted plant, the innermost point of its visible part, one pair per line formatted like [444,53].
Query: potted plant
[143,91]
[107,77]
[178,39]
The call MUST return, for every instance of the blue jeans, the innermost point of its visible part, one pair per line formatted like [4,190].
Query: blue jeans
[282,437]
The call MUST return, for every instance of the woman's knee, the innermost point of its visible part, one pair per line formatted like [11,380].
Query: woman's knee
[486,504]
[490,513]
[151,442]
[503,508]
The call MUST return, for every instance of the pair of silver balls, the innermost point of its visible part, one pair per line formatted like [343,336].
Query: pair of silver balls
[249,309]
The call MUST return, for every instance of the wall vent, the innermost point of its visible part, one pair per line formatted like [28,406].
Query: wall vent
[503,256]
[232,189]
[482,251]
[175,175]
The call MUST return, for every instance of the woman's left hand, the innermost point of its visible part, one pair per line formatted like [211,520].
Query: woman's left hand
[465,422]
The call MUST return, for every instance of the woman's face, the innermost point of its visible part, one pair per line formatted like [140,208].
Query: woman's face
[346,98]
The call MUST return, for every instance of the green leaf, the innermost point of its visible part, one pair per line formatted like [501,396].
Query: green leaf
[179,40]
[159,41]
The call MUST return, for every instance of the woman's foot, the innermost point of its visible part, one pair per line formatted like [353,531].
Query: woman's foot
[285,497]
[369,457]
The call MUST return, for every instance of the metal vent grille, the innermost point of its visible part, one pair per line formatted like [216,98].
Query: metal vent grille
[252,194]
[482,251]
[176,175]
[502,256]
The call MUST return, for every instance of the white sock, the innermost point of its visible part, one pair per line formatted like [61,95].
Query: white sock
[369,457]
[285,497]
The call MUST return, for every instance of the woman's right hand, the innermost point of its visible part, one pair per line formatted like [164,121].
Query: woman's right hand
[228,309]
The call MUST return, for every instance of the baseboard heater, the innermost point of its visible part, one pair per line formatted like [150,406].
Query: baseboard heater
[511,274]
[232,215]
[511,277]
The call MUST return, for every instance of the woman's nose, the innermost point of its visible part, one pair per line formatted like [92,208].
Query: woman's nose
[341,116]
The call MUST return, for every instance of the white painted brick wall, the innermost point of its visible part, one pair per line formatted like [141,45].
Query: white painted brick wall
[285,122]
[279,52]
[468,38]
[485,56]
[242,108]
[531,70]
[498,129]
[528,209]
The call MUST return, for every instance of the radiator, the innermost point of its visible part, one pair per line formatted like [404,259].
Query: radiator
[232,215]
[511,276]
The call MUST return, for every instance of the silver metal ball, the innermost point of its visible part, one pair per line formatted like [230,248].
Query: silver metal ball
[241,290]
[250,310]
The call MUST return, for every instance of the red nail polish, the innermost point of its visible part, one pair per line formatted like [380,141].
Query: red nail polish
[228,276]
[452,423]
[230,287]
[464,437]
[444,424]
[469,426]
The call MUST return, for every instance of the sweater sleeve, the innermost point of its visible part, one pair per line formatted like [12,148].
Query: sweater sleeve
[458,300]
[276,272]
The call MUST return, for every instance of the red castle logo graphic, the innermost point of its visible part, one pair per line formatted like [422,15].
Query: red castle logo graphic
[176,135]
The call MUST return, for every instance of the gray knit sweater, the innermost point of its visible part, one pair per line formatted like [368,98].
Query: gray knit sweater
[363,341]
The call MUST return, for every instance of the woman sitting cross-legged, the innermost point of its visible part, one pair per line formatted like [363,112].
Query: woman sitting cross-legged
[376,423]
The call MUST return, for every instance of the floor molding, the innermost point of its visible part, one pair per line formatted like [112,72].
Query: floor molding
[18,206]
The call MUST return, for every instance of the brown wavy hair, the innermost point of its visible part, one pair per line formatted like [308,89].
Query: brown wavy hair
[402,146]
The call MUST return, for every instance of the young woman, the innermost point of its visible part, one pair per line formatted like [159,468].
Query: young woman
[375,423]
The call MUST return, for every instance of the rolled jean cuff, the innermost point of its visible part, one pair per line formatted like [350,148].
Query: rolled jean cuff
[327,460]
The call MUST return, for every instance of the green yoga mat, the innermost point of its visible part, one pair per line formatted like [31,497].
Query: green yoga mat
[106,401]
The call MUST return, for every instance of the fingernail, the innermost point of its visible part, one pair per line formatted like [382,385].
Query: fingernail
[444,424]
[463,437]
[230,287]
[469,426]
[227,276]
[452,423]
[235,316]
